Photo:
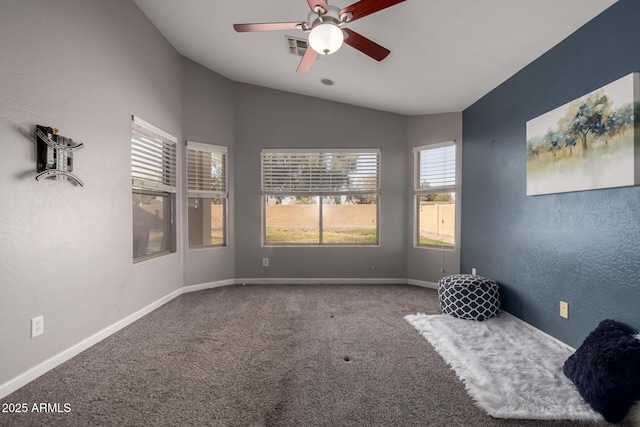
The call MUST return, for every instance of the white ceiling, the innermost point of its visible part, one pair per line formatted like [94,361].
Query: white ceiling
[445,54]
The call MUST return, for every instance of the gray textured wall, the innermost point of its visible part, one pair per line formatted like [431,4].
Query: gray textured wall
[427,264]
[268,118]
[208,116]
[66,253]
[580,247]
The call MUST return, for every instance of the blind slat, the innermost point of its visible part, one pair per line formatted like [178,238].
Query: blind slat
[320,172]
[153,158]
[206,170]
[436,169]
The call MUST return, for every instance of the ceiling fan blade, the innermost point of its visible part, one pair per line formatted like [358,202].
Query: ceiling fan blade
[267,26]
[321,3]
[367,7]
[307,61]
[364,45]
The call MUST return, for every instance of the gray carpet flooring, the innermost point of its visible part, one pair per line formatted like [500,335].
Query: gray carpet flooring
[270,355]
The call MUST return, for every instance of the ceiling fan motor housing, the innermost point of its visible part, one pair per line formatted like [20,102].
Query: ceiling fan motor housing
[326,37]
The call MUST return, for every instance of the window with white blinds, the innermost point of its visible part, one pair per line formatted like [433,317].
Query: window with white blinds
[153,173]
[153,158]
[435,195]
[206,170]
[299,172]
[320,197]
[435,167]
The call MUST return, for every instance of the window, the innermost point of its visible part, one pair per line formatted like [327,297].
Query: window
[435,195]
[320,198]
[207,199]
[153,171]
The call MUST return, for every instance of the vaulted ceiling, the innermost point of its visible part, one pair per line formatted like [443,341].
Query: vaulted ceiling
[445,54]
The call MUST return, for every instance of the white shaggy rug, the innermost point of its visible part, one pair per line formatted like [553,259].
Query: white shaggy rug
[510,370]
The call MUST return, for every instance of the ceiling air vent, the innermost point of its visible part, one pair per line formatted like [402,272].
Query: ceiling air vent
[296,46]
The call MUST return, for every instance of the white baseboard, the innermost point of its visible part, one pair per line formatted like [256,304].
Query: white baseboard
[42,368]
[530,326]
[318,281]
[422,284]
[210,285]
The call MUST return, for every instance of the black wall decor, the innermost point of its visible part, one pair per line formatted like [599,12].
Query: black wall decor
[55,155]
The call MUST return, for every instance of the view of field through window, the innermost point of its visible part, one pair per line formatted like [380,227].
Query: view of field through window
[436,220]
[297,220]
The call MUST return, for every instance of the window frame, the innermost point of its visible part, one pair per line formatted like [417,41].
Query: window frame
[154,173]
[322,191]
[448,184]
[220,192]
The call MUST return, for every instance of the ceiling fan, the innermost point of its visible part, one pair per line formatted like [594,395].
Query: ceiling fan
[325,27]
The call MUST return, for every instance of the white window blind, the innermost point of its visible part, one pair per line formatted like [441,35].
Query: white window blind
[435,168]
[318,172]
[206,170]
[153,158]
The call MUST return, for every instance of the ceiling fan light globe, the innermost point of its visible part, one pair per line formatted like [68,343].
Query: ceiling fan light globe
[326,38]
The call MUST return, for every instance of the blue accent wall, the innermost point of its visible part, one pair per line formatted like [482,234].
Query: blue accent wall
[580,247]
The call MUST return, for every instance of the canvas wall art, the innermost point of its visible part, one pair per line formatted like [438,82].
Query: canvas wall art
[590,143]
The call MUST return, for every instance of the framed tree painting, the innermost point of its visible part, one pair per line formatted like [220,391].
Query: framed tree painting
[590,143]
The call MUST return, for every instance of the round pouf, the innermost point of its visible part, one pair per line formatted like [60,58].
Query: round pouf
[469,297]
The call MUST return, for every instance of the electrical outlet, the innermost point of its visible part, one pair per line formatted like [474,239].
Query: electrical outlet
[37,326]
[265,262]
[473,271]
[564,309]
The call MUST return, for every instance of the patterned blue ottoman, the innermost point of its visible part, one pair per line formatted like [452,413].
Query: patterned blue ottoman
[469,297]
